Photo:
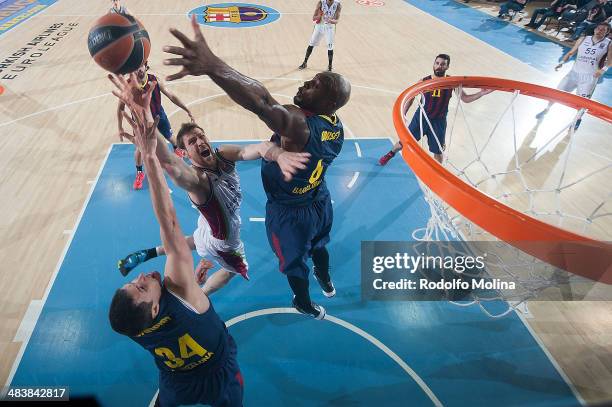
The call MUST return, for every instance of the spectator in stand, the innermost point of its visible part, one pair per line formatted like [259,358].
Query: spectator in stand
[516,5]
[578,13]
[556,8]
[596,15]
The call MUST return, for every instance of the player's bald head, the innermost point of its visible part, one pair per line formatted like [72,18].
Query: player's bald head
[339,89]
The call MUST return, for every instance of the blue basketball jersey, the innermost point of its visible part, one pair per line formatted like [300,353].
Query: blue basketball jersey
[183,341]
[436,102]
[324,145]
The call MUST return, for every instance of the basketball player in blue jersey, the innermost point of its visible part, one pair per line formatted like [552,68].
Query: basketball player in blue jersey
[435,107]
[298,213]
[172,318]
[144,80]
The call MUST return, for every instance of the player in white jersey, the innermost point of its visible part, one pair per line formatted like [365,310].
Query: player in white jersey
[213,186]
[325,17]
[118,8]
[593,58]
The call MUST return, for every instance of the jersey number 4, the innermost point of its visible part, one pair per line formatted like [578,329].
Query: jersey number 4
[316,174]
[188,347]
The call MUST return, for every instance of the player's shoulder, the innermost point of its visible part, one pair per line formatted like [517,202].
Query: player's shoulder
[296,111]
[225,163]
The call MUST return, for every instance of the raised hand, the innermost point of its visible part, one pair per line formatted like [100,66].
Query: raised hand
[122,134]
[201,270]
[196,56]
[290,163]
[144,137]
[132,96]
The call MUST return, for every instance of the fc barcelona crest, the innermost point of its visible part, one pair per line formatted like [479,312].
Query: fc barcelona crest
[235,15]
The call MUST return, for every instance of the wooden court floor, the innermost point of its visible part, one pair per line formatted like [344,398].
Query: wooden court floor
[57,120]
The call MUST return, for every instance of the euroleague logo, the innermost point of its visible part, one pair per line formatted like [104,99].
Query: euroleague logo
[234,15]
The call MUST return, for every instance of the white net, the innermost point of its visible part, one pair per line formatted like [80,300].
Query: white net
[548,168]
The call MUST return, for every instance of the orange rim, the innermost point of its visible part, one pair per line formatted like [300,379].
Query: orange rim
[564,249]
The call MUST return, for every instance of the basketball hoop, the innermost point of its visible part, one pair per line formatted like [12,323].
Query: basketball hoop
[462,210]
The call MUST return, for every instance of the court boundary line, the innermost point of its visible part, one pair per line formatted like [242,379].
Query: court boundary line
[353,328]
[540,73]
[551,359]
[58,266]
[23,23]
[174,83]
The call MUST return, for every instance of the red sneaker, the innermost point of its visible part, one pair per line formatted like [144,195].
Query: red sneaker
[140,176]
[385,158]
[180,153]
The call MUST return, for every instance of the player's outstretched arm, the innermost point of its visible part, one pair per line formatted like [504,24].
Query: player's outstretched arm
[179,271]
[182,174]
[571,53]
[289,163]
[465,98]
[406,108]
[198,59]
[120,110]
[175,99]
[607,64]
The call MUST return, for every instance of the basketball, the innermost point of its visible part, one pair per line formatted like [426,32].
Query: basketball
[118,43]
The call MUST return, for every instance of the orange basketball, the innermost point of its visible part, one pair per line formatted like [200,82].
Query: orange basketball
[118,43]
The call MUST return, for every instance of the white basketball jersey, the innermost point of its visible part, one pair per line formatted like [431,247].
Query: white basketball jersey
[589,55]
[122,10]
[329,12]
[222,211]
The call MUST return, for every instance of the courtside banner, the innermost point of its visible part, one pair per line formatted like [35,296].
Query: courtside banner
[469,271]
[14,12]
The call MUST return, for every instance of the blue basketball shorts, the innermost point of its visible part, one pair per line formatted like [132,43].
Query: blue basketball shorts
[164,125]
[438,126]
[295,231]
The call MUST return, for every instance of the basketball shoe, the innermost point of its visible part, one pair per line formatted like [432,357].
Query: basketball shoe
[140,176]
[385,158]
[317,311]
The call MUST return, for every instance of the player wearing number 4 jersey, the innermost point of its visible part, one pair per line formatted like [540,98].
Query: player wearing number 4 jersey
[298,212]
[593,58]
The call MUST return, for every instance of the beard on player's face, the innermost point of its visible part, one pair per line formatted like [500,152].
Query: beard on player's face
[440,67]
[440,71]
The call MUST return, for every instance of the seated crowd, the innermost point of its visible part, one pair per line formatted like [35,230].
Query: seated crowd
[579,16]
